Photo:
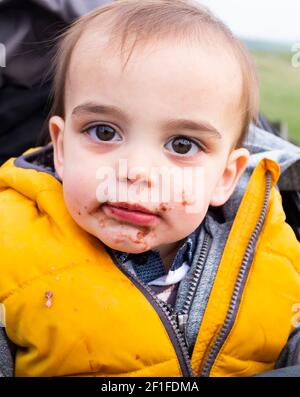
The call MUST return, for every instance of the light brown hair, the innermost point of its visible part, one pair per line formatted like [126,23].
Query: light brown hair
[145,20]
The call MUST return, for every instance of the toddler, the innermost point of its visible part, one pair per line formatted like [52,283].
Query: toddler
[135,244]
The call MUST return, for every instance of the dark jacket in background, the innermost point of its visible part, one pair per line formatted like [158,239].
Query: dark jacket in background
[28,29]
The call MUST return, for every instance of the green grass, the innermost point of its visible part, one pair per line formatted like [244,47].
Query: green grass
[280,89]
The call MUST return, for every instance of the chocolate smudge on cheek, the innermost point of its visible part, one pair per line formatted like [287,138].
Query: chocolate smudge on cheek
[124,234]
[185,201]
[123,237]
[141,235]
[138,239]
[163,207]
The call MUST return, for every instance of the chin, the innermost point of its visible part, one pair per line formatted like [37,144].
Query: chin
[128,246]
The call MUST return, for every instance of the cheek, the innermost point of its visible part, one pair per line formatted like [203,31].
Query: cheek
[192,193]
[79,190]
[186,216]
[191,198]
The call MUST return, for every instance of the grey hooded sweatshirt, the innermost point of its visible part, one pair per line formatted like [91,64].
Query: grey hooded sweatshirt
[217,225]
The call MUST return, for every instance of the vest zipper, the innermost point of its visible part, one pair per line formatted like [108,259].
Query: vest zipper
[183,315]
[166,318]
[175,324]
[239,285]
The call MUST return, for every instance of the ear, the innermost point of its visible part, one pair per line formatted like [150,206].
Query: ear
[56,129]
[236,164]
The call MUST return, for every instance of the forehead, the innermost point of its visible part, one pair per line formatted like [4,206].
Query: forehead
[168,76]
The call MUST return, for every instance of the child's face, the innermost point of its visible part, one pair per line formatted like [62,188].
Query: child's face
[162,83]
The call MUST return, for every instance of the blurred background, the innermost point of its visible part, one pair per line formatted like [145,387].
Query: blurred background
[28,29]
[271,30]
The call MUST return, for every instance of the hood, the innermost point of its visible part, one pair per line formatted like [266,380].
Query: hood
[263,144]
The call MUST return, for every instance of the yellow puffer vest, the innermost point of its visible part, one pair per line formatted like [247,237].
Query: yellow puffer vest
[73,311]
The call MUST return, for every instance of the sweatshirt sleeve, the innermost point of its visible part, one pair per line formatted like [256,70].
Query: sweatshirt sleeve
[6,355]
[288,363]
[290,355]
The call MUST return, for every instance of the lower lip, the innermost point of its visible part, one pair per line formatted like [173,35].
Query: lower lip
[137,217]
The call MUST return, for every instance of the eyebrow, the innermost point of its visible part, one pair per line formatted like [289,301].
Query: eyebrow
[94,108]
[192,125]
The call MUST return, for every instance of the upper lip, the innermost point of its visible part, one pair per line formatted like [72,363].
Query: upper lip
[132,207]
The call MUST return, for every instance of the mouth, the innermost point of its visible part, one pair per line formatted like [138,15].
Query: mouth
[133,213]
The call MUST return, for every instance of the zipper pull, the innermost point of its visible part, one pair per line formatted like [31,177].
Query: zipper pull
[181,321]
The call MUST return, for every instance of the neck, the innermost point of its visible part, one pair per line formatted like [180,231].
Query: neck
[168,253]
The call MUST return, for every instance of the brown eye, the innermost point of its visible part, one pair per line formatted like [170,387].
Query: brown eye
[103,132]
[182,146]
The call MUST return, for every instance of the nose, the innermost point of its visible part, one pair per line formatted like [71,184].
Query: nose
[137,168]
